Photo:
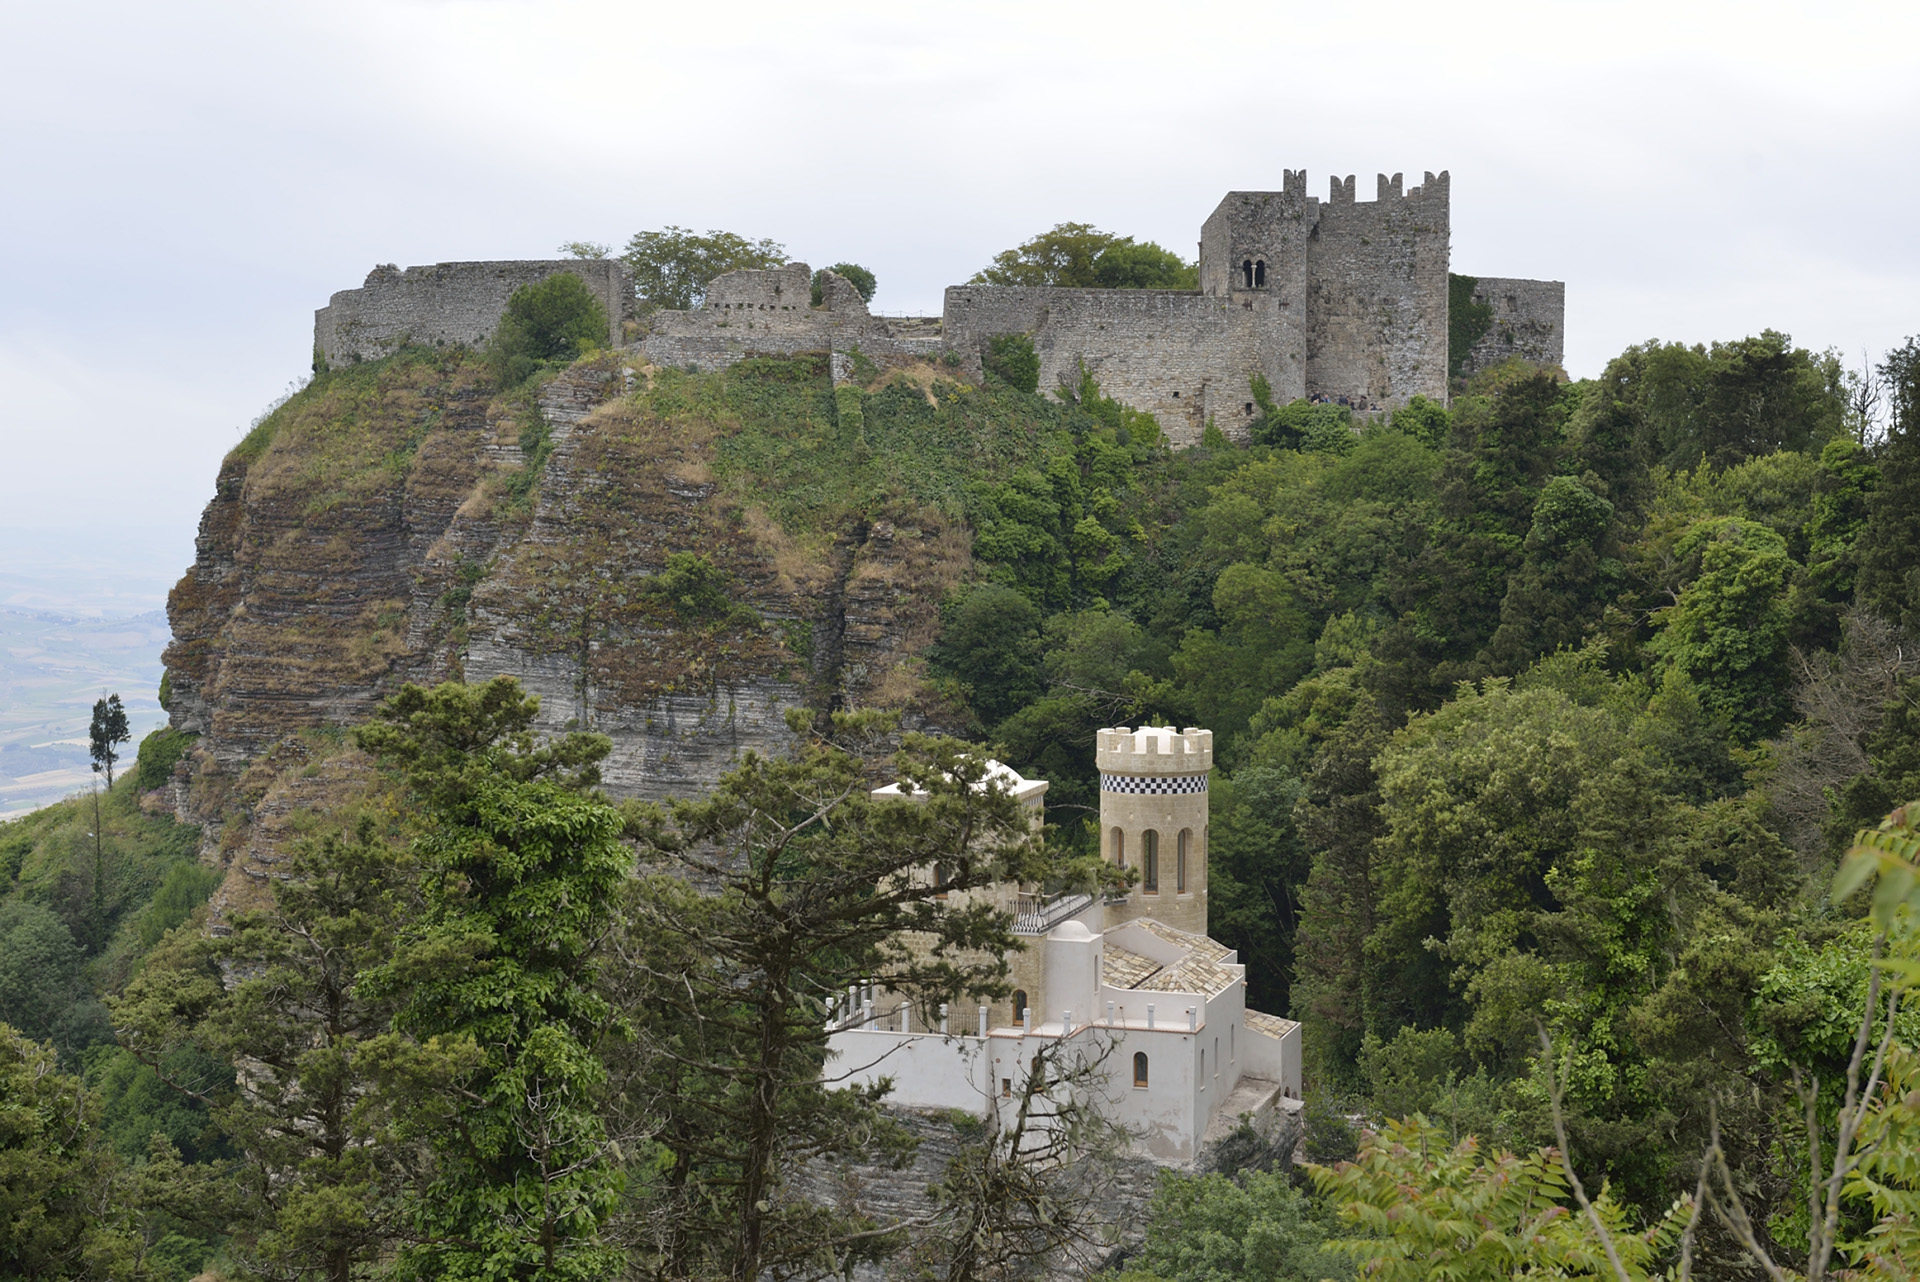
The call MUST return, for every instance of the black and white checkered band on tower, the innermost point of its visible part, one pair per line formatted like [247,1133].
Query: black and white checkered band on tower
[1153,785]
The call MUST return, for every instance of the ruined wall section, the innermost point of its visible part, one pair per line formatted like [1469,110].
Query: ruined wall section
[451,303]
[768,312]
[1529,321]
[1180,355]
[1377,293]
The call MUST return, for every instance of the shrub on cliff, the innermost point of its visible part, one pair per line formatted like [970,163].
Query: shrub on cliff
[554,319]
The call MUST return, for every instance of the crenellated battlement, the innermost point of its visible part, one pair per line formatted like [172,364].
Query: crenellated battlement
[1154,750]
[1338,300]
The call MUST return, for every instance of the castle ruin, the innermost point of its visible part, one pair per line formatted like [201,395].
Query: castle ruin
[1343,300]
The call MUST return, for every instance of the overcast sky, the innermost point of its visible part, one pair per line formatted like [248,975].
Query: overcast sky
[185,182]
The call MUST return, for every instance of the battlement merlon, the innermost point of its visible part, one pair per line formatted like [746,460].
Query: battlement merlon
[1154,750]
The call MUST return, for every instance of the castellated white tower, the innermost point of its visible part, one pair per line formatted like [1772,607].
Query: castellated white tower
[1153,819]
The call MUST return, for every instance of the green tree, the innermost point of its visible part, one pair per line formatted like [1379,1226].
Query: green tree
[1761,394]
[1080,256]
[853,273]
[1889,545]
[108,731]
[1567,572]
[322,1162]
[1842,491]
[1728,629]
[990,644]
[1430,1208]
[40,979]
[1338,819]
[1011,358]
[64,1205]
[812,886]
[1299,424]
[672,267]
[1425,421]
[1448,581]
[497,977]
[554,319]
[1256,1227]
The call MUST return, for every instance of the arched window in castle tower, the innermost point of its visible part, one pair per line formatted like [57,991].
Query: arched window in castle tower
[1246,271]
[1180,861]
[1260,273]
[1019,1005]
[1119,849]
[940,880]
[1140,1069]
[1150,862]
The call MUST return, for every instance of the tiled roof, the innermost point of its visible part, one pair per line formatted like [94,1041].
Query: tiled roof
[1199,946]
[1123,969]
[1269,1025]
[1194,975]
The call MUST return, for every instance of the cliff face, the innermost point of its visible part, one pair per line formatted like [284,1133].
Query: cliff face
[403,522]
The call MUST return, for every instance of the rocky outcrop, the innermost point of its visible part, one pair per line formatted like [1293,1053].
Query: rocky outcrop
[401,522]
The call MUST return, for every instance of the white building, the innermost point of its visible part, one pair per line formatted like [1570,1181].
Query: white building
[1130,981]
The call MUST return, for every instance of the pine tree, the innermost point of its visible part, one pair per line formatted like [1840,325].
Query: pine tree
[108,731]
[1889,547]
[496,986]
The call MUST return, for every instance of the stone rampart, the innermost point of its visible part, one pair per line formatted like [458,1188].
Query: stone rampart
[768,312]
[450,303]
[1529,321]
[1181,355]
[1341,299]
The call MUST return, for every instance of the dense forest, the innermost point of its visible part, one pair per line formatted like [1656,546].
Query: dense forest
[1546,721]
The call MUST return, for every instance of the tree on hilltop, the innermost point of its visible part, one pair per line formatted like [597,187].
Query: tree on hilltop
[1081,256]
[672,267]
[553,319]
[854,274]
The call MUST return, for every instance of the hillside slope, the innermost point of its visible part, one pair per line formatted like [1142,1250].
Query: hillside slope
[670,558]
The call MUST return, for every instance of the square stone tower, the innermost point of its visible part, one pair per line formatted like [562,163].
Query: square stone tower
[1348,298]
[1153,819]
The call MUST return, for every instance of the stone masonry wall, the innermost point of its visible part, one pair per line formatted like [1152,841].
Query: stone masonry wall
[1377,293]
[1178,354]
[1529,321]
[768,312]
[450,303]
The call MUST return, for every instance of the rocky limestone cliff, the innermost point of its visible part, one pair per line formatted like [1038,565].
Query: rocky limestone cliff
[404,522]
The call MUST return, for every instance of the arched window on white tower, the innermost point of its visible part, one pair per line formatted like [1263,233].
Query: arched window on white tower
[1140,1069]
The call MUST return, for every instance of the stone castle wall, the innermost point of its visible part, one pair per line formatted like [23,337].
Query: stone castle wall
[450,303]
[1377,293]
[1529,321]
[1337,299]
[1180,355]
[1342,299]
[768,312]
